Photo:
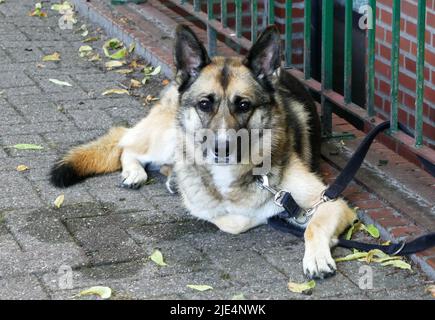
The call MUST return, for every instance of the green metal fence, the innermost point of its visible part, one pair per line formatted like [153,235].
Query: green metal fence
[217,25]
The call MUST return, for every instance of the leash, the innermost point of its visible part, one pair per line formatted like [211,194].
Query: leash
[294,219]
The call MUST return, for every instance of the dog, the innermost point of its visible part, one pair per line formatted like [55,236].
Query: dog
[220,94]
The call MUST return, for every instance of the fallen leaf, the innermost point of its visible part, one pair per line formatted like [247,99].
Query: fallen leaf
[115,91]
[27,146]
[372,230]
[135,83]
[59,201]
[149,98]
[165,82]
[91,39]
[37,12]
[102,292]
[114,44]
[40,65]
[95,57]
[239,296]
[199,287]
[352,256]
[131,47]
[124,71]
[431,290]
[398,264]
[84,29]
[52,57]
[301,287]
[157,257]
[114,64]
[22,167]
[61,7]
[60,83]
[155,71]
[85,51]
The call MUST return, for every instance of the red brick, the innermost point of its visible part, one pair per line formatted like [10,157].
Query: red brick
[380,214]
[393,222]
[399,232]
[431,262]
[369,204]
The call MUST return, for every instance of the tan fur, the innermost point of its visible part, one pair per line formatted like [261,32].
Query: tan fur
[99,156]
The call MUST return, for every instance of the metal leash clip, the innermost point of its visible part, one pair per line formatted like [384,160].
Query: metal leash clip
[278,195]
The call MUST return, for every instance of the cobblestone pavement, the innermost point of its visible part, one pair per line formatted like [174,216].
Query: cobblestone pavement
[105,234]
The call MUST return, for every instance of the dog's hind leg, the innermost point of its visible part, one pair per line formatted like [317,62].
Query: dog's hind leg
[133,173]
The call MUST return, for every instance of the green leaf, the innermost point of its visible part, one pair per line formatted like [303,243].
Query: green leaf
[398,264]
[199,287]
[353,256]
[61,7]
[60,83]
[301,287]
[372,230]
[113,44]
[157,257]
[131,47]
[27,146]
[102,292]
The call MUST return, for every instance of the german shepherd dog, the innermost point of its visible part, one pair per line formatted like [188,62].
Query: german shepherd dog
[218,94]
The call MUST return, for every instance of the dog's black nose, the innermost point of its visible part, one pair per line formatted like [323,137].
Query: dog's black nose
[219,146]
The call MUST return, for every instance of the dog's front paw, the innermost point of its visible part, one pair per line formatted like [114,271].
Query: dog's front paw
[133,179]
[319,264]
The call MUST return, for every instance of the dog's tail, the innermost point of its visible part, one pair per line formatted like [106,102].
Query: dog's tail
[96,157]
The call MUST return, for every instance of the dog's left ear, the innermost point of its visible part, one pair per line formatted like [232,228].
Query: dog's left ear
[190,56]
[265,55]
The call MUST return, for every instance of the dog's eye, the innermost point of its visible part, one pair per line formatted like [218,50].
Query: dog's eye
[243,106]
[205,105]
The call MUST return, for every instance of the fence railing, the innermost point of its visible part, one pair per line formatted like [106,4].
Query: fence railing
[217,25]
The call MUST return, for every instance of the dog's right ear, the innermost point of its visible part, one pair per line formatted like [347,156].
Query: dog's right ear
[190,56]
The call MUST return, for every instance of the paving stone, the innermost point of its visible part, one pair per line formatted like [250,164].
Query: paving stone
[91,119]
[24,287]
[12,79]
[104,239]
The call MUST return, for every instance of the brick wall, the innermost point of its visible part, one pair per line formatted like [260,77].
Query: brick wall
[408,58]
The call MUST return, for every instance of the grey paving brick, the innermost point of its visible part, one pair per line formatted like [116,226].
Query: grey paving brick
[104,239]
[24,287]
[26,52]
[13,79]
[91,119]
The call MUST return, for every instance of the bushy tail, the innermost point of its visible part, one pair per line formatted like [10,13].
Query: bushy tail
[100,156]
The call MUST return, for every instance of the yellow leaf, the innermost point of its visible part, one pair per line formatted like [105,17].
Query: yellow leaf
[91,39]
[95,57]
[22,167]
[301,287]
[115,91]
[114,64]
[199,287]
[124,71]
[135,83]
[157,257]
[353,256]
[27,146]
[431,290]
[59,201]
[52,57]
[398,264]
[102,292]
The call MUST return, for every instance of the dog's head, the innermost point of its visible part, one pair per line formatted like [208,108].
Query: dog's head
[226,95]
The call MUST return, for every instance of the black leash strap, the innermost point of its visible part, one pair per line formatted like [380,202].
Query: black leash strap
[280,221]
